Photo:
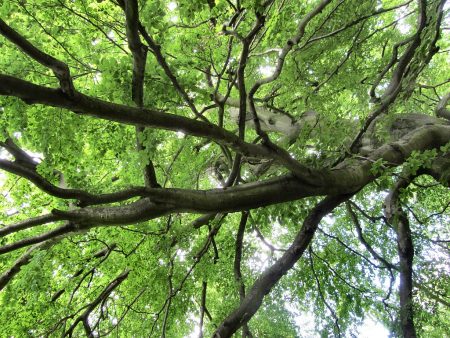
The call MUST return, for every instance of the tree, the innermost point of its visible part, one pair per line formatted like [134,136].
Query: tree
[172,168]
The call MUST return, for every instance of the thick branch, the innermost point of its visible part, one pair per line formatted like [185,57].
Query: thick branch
[9,274]
[21,157]
[398,74]
[441,108]
[272,275]
[398,218]
[84,197]
[137,87]
[31,222]
[346,178]
[62,230]
[60,69]
[137,49]
[85,105]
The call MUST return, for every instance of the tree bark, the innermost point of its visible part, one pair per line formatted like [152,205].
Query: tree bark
[405,248]
[262,286]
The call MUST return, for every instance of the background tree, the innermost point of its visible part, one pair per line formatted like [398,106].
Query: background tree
[192,168]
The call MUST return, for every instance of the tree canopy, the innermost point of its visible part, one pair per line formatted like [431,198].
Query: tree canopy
[264,168]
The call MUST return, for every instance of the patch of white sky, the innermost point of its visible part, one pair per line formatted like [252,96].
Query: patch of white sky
[194,320]
[38,157]
[12,212]
[57,270]
[312,151]
[401,15]
[93,318]
[202,84]
[181,255]
[97,77]
[436,256]
[5,192]
[266,70]
[160,146]
[171,7]
[111,35]
[261,259]
[370,328]
[305,321]
[446,21]
[2,178]
[212,178]
[4,155]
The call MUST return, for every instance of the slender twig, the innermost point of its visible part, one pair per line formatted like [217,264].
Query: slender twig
[322,296]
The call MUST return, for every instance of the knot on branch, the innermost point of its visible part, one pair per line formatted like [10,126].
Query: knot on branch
[62,72]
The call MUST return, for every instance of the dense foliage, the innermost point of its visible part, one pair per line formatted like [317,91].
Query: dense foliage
[194,168]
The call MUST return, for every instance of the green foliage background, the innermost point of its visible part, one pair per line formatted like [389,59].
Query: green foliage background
[100,156]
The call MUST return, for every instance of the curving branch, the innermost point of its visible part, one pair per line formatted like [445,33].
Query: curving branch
[399,72]
[84,317]
[156,49]
[336,183]
[441,108]
[24,259]
[262,286]
[86,105]
[363,241]
[390,64]
[278,68]
[85,198]
[347,178]
[52,234]
[290,44]
[21,156]
[321,294]
[29,223]
[59,68]
[378,12]
[197,258]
